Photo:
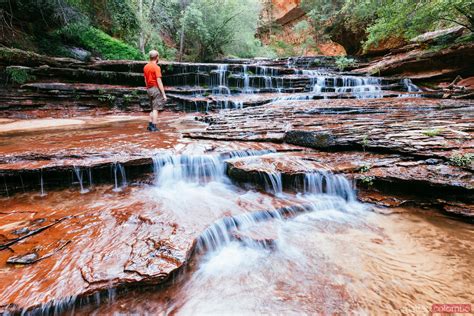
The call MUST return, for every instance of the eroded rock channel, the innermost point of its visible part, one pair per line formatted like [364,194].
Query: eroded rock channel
[271,186]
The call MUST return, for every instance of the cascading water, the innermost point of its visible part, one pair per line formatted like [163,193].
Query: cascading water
[118,169]
[246,80]
[410,87]
[325,182]
[361,87]
[43,192]
[221,86]
[78,172]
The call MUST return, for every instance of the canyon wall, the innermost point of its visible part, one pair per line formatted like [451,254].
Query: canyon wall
[281,17]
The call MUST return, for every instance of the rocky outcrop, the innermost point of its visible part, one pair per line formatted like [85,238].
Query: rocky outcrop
[391,174]
[415,127]
[418,63]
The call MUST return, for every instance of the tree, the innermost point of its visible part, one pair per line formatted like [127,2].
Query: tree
[371,21]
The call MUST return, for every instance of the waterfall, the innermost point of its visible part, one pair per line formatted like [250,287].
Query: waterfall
[410,87]
[119,169]
[198,169]
[246,83]
[238,104]
[326,182]
[359,87]
[195,168]
[221,86]
[263,71]
[273,182]
[43,193]
[78,173]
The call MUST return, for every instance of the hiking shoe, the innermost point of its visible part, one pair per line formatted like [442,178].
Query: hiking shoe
[152,128]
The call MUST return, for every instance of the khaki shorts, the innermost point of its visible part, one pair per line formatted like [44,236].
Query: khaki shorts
[157,102]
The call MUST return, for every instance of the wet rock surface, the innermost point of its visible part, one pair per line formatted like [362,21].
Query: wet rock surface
[99,212]
[387,173]
[416,127]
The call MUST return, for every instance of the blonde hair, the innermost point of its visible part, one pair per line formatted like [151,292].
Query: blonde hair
[153,54]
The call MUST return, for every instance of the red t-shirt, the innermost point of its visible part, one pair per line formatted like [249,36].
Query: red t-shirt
[152,72]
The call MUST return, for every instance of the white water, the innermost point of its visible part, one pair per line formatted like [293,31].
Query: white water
[43,192]
[78,172]
[119,170]
[183,182]
[235,271]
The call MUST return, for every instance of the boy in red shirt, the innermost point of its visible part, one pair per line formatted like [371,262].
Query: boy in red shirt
[154,88]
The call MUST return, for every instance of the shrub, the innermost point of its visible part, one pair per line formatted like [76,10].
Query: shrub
[342,62]
[461,160]
[367,180]
[100,43]
[19,75]
[364,168]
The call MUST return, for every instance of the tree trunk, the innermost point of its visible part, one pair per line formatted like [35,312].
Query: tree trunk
[141,39]
[181,43]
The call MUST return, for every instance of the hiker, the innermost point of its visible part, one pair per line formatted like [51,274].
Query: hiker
[155,89]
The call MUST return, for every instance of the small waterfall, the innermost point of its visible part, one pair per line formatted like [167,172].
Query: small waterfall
[118,168]
[295,97]
[78,173]
[238,104]
[361,87]
[43,193]
[198,169]
[220,233]
[410,86]
[221,86]
[326,182]
[319,85]
[273,182]
[245,153]
[263,71]
[246,83]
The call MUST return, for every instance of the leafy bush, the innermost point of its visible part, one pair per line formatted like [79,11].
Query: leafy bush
[100,43]
[367,180]
[19,75]
[462,160]
[342,62]
[375,21]
[364,168]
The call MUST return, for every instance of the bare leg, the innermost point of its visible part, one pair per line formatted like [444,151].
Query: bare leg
[154,116]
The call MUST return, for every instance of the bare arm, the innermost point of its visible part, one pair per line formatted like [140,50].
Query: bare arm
[162,89]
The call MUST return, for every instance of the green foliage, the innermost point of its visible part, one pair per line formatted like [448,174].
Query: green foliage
[384,19]
[19,75]
[432,132]
[367,180]
[413,17]
[110,99]
[214,28]
[364,168]
[100,43]
[342,62]
[365,141]
[462,160]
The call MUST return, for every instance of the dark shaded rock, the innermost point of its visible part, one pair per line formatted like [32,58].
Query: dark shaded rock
[309,139]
